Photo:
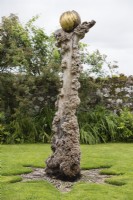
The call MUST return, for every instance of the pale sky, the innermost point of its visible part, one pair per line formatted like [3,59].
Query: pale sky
[112,35]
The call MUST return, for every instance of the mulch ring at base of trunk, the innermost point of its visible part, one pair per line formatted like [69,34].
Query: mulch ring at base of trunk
[90,176]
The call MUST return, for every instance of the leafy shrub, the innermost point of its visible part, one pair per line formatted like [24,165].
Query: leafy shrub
[97,125]
[101,125]
[4,133]
[125,126]
[28,107]
[29,129]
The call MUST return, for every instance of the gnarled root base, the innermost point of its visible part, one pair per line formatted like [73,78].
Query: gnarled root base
[62,176]
[65,161]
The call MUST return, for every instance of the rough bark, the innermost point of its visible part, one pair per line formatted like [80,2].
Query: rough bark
[65,160]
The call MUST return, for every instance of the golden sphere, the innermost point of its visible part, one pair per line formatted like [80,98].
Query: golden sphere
[69,20]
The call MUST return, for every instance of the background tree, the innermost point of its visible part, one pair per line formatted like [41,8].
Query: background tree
[15,46]
[25,48]
[96,64]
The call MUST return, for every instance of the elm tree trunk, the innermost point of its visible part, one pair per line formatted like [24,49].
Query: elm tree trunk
[65,160]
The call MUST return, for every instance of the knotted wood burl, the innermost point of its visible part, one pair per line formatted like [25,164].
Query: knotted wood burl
[65,160]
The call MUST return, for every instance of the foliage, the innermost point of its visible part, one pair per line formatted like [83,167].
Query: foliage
[114,158]
[89,86]
[4,133]
[97,63]
[97,125]
[15,47]
[32,107]
[101,125]
[25,48]
[28,110]
[125,126]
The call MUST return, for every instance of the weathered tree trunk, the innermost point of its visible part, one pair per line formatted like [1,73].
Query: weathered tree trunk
[65,161]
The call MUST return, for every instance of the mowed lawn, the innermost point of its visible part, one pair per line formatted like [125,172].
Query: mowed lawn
[116,159]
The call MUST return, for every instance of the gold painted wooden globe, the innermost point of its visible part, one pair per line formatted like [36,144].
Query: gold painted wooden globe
[69,20]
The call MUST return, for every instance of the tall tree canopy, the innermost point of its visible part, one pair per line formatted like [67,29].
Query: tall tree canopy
[25,48]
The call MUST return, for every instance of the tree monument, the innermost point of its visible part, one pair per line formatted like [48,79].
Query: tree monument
[65,160]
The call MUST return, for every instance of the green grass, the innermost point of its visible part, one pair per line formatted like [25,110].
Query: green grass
[116,159]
